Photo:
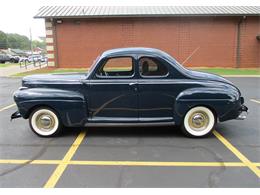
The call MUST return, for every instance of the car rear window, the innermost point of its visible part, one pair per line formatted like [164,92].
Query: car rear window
[152,67]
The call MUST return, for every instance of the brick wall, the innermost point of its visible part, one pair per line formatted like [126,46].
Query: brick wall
[250,47]
[212,40]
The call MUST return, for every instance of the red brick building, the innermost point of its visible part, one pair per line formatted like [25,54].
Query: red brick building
[200,36]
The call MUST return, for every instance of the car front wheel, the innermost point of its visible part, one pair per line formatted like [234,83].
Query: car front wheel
[198,122]
[45,122]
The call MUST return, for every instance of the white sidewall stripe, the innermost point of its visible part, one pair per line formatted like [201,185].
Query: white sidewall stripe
[207,129]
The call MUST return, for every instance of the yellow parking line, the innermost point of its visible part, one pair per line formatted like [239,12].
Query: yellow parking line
[239,155]
[13,161]
[255,101]
[62,166]
[161,164]
[127,163]
[7,107]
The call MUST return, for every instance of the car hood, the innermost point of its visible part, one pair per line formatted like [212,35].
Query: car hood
[53,78]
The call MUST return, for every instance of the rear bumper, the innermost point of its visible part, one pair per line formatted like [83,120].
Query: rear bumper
[238,111]
[243,113]
[243,108]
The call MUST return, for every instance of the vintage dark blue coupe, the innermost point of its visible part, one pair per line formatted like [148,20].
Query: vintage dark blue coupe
[129,87]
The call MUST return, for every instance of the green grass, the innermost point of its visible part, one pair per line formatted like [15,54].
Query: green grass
[61,70]
[219,71]
[230,71]
[8,64]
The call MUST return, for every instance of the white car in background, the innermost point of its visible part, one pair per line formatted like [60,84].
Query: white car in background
[37,58]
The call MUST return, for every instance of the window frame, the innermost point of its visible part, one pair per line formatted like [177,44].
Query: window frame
[103,63]
[153,76]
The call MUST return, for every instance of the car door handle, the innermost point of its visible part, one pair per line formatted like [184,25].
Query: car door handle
[132,84]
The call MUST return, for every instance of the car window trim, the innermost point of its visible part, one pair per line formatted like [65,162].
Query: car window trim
[152,77]
[119,77]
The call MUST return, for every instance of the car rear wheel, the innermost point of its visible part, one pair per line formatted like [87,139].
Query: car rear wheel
[45,122]
[198,122]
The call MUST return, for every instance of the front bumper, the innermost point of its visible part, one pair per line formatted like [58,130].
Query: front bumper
[15,115]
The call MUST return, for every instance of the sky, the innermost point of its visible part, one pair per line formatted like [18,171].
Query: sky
[16,16]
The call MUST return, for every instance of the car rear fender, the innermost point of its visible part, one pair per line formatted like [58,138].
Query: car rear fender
[219,100]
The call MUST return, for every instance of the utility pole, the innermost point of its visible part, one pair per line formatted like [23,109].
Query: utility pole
[31,46]
[31,41]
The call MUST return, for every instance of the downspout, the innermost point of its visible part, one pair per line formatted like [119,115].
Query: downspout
[238,59]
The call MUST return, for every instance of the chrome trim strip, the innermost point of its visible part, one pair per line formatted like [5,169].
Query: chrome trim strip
[129,124]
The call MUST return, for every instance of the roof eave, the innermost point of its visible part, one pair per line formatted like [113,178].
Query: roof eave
[145,16]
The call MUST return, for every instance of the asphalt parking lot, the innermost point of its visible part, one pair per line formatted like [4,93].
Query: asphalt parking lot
[131,157]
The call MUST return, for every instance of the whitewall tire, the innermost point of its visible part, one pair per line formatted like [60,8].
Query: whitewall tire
[198,122]
[44,122]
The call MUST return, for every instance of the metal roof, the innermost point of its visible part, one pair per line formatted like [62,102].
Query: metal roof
[143,11]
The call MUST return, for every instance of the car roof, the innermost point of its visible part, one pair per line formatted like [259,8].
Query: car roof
[132,50]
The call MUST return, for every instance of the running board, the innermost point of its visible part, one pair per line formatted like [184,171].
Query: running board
[137,124]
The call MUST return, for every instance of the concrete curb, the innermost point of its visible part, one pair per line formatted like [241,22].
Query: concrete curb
[242,76]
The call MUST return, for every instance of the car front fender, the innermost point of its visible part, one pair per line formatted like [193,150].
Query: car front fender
[71,106]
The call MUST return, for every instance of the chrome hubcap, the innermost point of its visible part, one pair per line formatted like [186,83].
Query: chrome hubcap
[199,121]
[45,122]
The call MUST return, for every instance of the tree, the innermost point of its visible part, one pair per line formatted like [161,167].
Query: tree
[40,44]
[16,41]
[3,40]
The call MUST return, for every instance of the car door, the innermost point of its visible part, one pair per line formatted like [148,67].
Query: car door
[113,91]
[156,93]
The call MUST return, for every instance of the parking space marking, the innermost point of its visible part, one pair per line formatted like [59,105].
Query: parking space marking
[158,164]
[7,107]
[127,163]
[236,152]
[62,166]
[253,100]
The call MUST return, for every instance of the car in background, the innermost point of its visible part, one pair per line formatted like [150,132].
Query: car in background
[24,59]
[14,59]
[37,58]
[9,58]
[4,58]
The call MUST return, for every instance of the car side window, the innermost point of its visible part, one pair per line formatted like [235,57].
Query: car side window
[150,67]
[117,67]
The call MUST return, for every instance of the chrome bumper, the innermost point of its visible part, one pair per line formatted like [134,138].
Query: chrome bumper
[15,115]
[244,112]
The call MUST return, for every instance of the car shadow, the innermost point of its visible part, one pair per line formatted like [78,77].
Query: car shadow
[159,131]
